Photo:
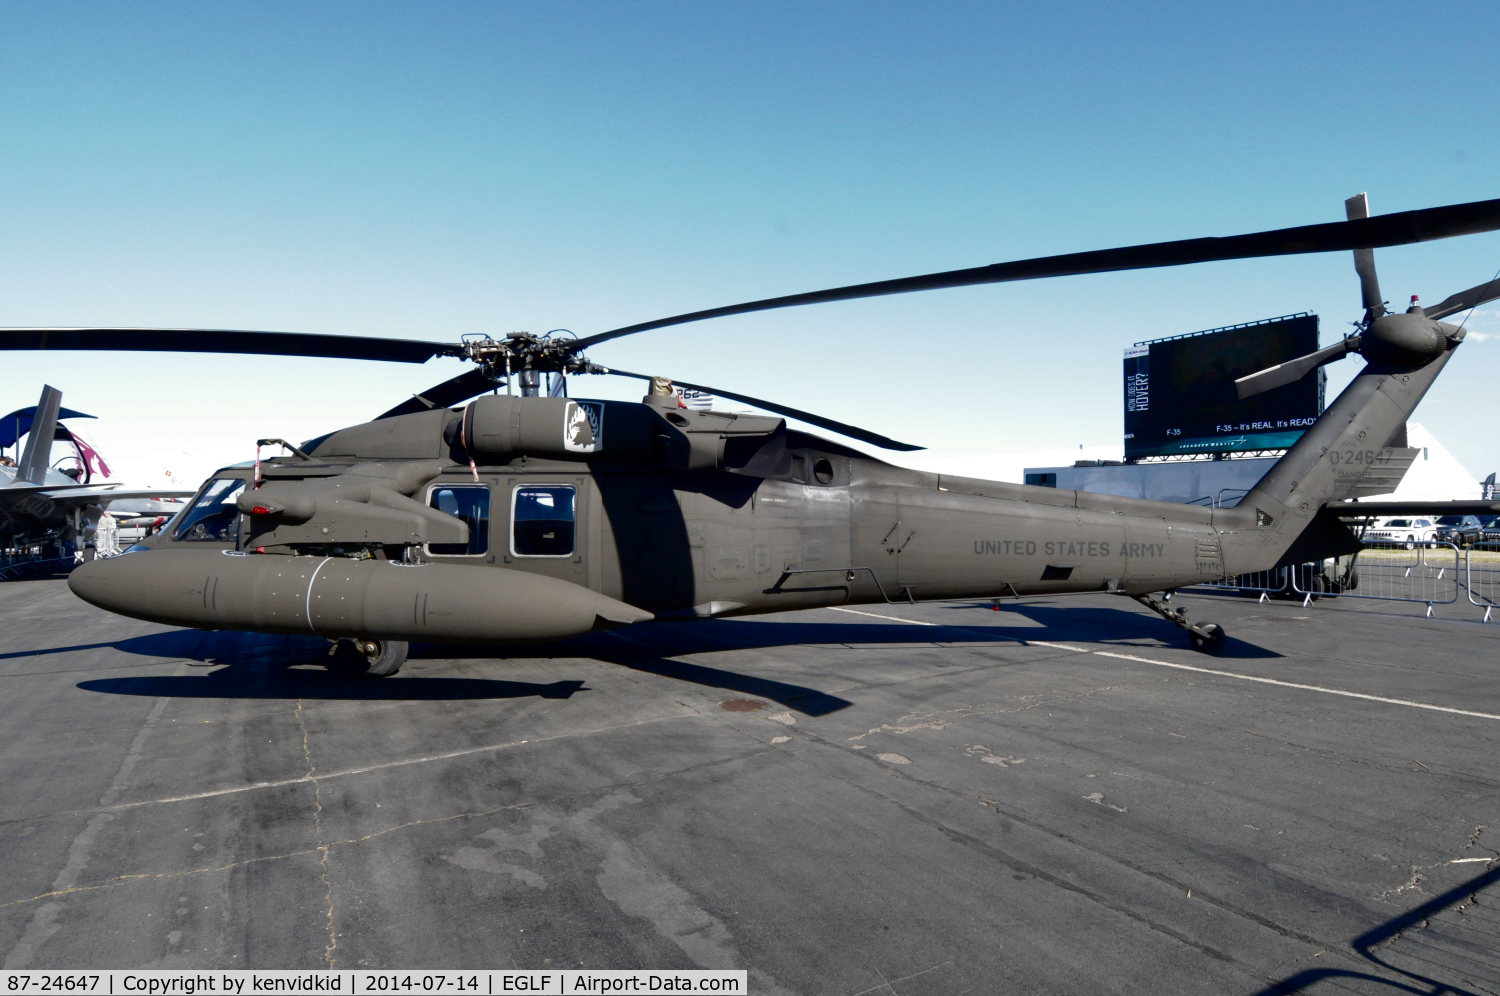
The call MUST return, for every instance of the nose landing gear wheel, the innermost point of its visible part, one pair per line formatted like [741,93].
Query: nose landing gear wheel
[372,658]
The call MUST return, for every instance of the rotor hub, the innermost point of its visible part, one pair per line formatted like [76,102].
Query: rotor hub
[526,355]
[1403,340]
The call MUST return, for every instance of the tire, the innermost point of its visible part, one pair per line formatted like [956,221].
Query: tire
[1351,579]
[1411,542]
[371,658]
[1209,642]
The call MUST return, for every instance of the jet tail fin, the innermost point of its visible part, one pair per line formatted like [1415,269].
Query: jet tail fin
[34,461]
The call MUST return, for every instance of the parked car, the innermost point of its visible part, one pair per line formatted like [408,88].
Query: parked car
[1490,530]
[1460,530]
[1407,531]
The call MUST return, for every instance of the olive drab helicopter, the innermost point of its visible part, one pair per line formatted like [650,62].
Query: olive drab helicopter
[524,517]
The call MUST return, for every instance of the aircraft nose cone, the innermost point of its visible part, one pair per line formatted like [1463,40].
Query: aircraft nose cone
[101,582]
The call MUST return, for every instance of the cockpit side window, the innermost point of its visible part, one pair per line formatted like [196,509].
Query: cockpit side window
[471,503]
[213,517]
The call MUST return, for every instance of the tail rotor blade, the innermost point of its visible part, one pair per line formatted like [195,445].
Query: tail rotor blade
[1464,300]
[1291,371]
[1357,208]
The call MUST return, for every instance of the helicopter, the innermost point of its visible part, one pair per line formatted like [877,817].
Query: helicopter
[529,517]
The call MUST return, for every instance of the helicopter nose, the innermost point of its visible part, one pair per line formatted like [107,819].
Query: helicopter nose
[107,582]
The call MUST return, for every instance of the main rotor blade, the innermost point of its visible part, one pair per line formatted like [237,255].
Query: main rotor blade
[1355,208]
[1291,371]
[1341,236]
[1464,300]
[842,428]
[445,395]
[347,347]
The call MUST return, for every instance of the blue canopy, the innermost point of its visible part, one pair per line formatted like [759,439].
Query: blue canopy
[18,423]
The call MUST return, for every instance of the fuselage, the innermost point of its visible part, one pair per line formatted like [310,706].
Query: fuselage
[838,528]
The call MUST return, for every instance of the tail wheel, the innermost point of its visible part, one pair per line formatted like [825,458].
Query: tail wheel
[1208,638]
[372,658]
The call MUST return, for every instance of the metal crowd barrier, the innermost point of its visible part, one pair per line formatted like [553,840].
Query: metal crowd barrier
[1428,572]
[19,570]
[1482,576]
[1266,583]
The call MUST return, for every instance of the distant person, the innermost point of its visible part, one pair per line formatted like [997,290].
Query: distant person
[6,461]
[107,537]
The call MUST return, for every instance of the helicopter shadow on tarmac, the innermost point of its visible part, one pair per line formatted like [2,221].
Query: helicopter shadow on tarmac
[655,647]
[251,665]
[1368,943]
[1106,626]
[260,666]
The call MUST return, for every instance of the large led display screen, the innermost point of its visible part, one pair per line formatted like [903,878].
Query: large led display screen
[1180,396]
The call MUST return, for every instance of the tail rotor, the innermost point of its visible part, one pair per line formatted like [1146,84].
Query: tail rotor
[1402,341]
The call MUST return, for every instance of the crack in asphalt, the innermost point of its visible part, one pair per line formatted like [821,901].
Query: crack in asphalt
[322,848]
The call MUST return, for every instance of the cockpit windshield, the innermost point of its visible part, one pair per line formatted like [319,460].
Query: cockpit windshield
[214,516]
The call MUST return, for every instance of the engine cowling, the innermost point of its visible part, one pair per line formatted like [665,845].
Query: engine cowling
[498,427]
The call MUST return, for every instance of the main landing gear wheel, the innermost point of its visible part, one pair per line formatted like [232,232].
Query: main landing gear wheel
[1207,638]
[372,658]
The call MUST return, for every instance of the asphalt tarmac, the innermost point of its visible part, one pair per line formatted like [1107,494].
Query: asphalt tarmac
[1057,797]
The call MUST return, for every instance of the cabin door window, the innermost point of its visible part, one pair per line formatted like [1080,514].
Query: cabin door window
[543,520]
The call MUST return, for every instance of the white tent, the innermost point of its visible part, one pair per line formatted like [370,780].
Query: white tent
[1435,476]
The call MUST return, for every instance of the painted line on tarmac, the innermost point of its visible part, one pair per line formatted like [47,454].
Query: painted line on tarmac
[966,629]
[1294,684]
[1207,670]
[877,615]
[345,772]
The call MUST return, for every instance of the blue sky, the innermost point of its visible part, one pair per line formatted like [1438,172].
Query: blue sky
[435,169]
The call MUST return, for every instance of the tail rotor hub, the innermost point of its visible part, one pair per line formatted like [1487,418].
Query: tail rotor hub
[1406,340]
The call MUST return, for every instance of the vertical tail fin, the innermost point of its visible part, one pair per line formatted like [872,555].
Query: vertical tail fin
[1356,449]
[33,466]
